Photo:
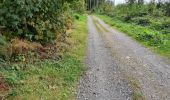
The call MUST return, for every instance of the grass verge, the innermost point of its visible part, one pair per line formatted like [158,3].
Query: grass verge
[49,79]
[153,39]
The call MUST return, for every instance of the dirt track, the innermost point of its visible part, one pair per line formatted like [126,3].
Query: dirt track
[119,68]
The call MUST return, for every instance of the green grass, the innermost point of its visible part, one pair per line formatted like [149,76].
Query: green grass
[50,79]
[153,39]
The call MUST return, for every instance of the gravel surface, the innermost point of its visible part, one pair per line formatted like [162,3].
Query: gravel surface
[119,68]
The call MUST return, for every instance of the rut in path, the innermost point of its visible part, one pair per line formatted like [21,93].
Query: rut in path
[118,67]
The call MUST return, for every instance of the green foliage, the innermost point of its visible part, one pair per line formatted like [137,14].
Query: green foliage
[152,7]
[148,15]
[3,40]
[4,48]
[154,38]
[49,79]
[79,6]
[146,35]
[161,24]
[37,20]
[106,7]
[167,8]
[143,21]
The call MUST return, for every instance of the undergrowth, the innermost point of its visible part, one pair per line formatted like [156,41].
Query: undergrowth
[50,79]
[149,37]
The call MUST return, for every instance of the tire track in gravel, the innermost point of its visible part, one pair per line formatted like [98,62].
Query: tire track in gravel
[103,80]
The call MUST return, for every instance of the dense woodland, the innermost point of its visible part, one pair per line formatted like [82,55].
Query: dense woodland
[34,33]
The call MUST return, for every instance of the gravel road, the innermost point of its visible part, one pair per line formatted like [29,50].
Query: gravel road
[119,68]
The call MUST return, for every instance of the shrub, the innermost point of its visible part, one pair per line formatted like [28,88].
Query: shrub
[161,25]
[153,38]
[4,48]
[157,39]
[143,21]
[167,8]
[78,6]
[76,16]
[34,19]
[3,40]
[145,36]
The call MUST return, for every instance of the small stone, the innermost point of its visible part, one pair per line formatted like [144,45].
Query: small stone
[127,57]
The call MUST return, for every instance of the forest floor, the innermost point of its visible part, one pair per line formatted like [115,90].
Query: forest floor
[119,68]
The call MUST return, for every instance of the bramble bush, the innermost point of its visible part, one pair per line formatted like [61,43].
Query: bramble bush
[35,20]
[30,21]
